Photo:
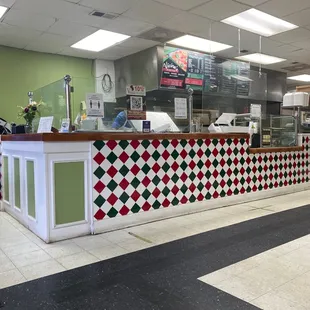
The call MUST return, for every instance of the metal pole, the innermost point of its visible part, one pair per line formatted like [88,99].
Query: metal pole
[190,109]
[30,96]
[67,79]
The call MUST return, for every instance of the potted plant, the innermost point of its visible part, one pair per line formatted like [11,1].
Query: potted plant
[29,113]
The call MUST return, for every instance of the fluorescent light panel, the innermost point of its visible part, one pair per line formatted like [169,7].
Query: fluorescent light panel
[260,59]
[199,44]
[3,9]
[259,22]
[100,40]
[301,78]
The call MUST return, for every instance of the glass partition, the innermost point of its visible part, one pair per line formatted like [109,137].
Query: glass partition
[53,102]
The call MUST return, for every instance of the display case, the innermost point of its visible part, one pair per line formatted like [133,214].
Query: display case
[283,131]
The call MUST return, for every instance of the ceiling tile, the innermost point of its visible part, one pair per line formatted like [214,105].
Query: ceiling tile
[300,18]
[54,8]
[28,20]
[137,43]
[43,48]
[194,24]
[292,36]
[67,28]
[220,9]
[152,12]
[281,8]
[126,25]
[303,44]
[110,6]
[68,51]
[183,4]
[18,32]
[13,42]
[252,2]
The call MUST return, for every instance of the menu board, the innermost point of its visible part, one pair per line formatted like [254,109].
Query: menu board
[183,69]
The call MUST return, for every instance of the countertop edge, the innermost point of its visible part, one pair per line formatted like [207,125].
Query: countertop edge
[264,150]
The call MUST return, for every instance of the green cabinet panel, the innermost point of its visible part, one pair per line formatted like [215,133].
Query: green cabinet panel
[69,192]
[17,182]
[6,186]
[31,200]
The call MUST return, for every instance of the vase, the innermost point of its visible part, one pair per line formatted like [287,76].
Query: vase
[28,127]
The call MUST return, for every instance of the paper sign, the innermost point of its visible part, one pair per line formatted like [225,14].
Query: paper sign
[135,90]
[256,110]
[180,108]
[45,124]
[94,105]
[146,126]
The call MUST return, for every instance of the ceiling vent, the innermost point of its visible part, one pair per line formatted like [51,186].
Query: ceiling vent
[160,35]
[297,67]
[104,15]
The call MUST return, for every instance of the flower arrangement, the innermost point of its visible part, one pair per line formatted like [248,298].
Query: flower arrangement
[29,112]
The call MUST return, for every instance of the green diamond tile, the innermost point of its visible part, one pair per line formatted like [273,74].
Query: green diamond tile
[248,170]
[229,141]
[99,144]
[192,176]
[165,143]
[184,165]
[242,141]
[260,169]
[192,198]
[192,153]
[175,154]
[260,187]
[156,155]
[183,142]
[222,173]
[112,185]
[200,164]
[99,172]
[135,182]
[215,163]
[242,180]
[99,201]
[276,158]
[222,152]
[156,205]
[254,160]
[236,151]
[200,142]
[175,178]
[249,189]
[215,142]
[229,182]
[242,161]
[184,189]
[112,213]
[208,174]
[124,170]
[124,198]
[135,156]
[135,208]
[156,180]
[166,167]
[271,167]
[166,191]
[145,143]
[236,191]
[215,184]
[229,162]
[175,201]
[146,168]
[270,185]
[236,171]
[265,158]
[200,186]
[123,144]
[265,177]
[208,153]
[254,179]
[222,193]
[146,194]
[208,196]
[112,158]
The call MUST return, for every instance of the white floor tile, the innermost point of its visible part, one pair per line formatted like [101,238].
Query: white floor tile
[8,241]
[41,270]
[31,258]
[91,242]
[5,264]
[10,278]
[135,245]
[272,301]
[77,260]
[118,236]
[57,250]
[108,252]
[19,249]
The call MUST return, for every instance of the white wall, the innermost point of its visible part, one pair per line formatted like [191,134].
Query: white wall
[102,67]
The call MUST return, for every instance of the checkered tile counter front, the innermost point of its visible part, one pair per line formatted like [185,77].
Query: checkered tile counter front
[141,176]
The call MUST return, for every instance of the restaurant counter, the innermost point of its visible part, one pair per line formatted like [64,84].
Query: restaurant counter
[66,185]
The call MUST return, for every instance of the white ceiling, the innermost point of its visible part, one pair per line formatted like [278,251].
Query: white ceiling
[52,26]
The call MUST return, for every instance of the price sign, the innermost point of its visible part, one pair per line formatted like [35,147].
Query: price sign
[135,90]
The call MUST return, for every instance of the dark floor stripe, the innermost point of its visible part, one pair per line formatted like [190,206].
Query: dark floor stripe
[162,277]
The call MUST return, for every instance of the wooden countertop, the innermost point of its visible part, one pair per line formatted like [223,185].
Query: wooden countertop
[275,149]
[92,136]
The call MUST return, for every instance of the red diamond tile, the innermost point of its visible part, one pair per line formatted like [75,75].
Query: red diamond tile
[135,144]
[215,173]
[165,155]
[200,197]
[215,152]
[191,142]
[285,183]
[208,185]
[266,186]
[146,156]
[216,195]
[112,172]
[112,144]
[236,141]
[156,167]
[183,154]
[242,151]
[260,178]
[222,183]
[236,181]
[242,171]
[229,151]
[175,190]
[166,203]
[156,192]
[100,215]
[200,153]
[236,161]
[174,143]
[229,172]
[200,175]
[254,169]
[124,184]
[146,206]
[208,163]
[192,165]
[270,158]
[254,189]
[248,180]
[184,177]
[175,166]
[124,157]
[135,196]
[99,187]
[124,210]
[192,187]
[248,160]
[155,143]
[222,162]
[276,184]
[260,159]
[208,142]
[276,167]
[242,190]
[229,192]
[112,199]
[184,200]
[222,142]
[99,158]
[135,169]
[166,179]
[146,181]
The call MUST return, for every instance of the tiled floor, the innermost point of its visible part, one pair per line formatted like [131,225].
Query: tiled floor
[280,276]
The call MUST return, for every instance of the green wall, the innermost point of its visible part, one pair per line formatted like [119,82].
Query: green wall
[22,71]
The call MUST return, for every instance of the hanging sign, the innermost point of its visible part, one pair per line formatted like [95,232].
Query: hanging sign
[180,108]
[136,102]
[94,105]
